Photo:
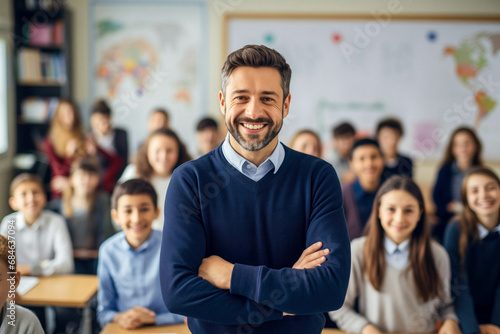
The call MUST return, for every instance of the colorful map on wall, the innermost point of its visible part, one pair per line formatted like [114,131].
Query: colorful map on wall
[433,75]
[148,56]
[471,56]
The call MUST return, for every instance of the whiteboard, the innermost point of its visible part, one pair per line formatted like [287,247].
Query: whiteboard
[434,75]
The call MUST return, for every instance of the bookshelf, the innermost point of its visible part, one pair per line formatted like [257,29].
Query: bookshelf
[41,64]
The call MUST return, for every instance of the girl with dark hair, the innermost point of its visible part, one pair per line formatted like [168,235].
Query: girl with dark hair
[398,274]
[87,212]
[462,152]
[473,243]
[156,160]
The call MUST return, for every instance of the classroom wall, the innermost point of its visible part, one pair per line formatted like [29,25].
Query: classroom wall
[5,163]
[425,170]
[81,74]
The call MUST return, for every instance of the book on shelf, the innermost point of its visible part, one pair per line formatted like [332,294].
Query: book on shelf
[36,66]
[44,34]
[38,110]
[41,34]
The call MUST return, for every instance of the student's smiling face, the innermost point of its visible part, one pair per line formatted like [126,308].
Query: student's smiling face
[29,198]
[162,154]
[253,107]
[483,195]
[135,215]
[367,162]
[399,213]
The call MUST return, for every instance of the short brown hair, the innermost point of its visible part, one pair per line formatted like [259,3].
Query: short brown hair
[134,187]
[343,130]
[25,177]
[5,252]
[391,123]
[101,107]
[257,56]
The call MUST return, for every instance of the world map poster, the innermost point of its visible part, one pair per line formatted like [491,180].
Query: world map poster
[148,55]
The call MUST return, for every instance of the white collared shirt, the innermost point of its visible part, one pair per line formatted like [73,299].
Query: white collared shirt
[45,246]
[249,169]
[396,255]
[483,231]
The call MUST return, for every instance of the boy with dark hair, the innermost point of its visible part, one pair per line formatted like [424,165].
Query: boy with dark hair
[128,269]
[207,133]
[365,160]
[111,145]
[344,136]
[389,132]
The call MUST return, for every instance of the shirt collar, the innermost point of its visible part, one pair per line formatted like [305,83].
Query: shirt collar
[483,231]
[238,162]
[391,247]
[21,223]
[126,246]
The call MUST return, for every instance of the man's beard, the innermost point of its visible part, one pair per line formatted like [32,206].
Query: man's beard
[253,143]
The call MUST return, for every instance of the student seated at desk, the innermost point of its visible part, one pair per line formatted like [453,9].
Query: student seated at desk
[128,270]
[42,240]
[367,163]
[87,212]
[398,274]
[473,243]
[25,322]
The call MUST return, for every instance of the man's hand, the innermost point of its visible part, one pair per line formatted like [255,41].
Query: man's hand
[489,329]
[135,317]
[311,257]
[217,271]
[450,327]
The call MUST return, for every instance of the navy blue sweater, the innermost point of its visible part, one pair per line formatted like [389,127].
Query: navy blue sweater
[476,284]
[262,227]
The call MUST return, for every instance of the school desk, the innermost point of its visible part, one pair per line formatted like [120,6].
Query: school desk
[63,291]
[113,328]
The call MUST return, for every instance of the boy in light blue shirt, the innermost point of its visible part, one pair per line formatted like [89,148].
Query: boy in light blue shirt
[128,270]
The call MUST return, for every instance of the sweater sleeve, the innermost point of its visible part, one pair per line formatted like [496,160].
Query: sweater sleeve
[346,317]
[307,291]
[464,305]
[183,249]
